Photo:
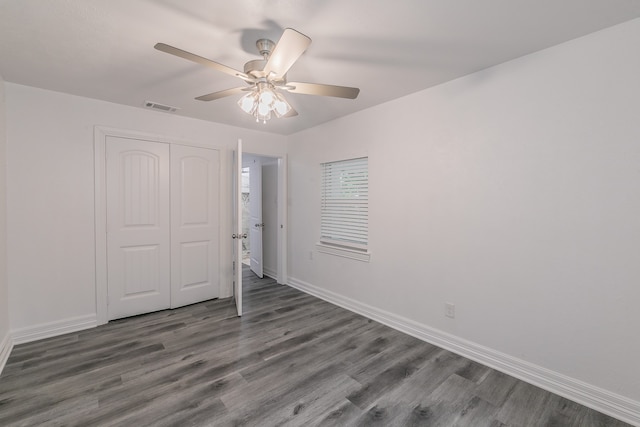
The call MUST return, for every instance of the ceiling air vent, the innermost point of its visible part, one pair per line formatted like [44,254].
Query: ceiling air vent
[161,107]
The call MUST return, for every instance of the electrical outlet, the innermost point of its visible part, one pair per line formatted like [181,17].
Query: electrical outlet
[449,310]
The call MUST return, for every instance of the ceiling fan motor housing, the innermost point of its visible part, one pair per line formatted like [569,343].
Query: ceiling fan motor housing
[254,68]
[265,47]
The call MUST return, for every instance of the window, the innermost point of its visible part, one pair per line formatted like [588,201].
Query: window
[344,226]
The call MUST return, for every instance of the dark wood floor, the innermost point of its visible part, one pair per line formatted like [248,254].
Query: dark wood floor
[291,359]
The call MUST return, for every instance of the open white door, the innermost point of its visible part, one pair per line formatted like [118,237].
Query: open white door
[255,216]
[237,227]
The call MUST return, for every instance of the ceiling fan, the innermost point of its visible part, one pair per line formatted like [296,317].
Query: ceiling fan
[267,77]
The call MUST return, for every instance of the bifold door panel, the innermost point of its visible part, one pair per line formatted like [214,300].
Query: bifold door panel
[194,225]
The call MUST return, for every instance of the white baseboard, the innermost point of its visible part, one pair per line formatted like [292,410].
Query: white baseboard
[52,329]
[601,400]
[270,273]
[5,350]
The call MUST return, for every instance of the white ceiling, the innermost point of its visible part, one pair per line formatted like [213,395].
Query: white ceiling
[103,49]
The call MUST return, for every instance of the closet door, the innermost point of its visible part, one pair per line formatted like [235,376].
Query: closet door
[194,224]
[138,226]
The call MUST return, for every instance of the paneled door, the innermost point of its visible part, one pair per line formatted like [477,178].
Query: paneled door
[194,224]
[138,238]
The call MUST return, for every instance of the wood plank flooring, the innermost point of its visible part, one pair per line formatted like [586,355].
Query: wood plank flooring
[292,359]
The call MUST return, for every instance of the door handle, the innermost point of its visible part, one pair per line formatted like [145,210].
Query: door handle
[259,225]
[239,236]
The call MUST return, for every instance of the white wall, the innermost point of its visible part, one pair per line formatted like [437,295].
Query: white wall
[513,193]
[5,341]
[50,175]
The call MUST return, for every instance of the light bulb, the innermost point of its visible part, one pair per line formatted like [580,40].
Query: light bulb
[263,109]
[248,103]
[263,117]
[281,106]
[266,97]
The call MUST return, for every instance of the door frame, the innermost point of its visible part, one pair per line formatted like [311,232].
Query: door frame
[256,216]
[100,205]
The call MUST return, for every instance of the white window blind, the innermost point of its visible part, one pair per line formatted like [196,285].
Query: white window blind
[345,203]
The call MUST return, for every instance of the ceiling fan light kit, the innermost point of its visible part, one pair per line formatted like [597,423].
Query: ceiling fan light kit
[267,77]
[264,100]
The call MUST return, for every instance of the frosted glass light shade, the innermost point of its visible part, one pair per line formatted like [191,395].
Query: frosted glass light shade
[266,97]
[263,117]
[248,103]
[281,106]
[263,109]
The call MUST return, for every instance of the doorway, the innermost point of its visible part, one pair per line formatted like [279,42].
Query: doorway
[260,214]
[246,194]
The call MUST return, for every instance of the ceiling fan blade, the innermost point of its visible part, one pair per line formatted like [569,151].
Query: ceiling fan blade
[203,61]
[289,48]
[221,94]
[323,90]
[291,113]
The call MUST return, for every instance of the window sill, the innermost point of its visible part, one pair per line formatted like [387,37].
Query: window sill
[344,252]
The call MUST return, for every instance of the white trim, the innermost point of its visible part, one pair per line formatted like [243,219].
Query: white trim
[270,273]
[343,252]
[104,131]
[100,221]
[281,269]
[5,350]
[601,400]
[52,329]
